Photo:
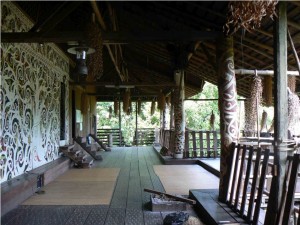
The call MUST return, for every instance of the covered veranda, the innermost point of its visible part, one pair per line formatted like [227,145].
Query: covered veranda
[58,60]
[128,203]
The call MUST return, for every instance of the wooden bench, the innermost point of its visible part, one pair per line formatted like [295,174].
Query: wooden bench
[247,190]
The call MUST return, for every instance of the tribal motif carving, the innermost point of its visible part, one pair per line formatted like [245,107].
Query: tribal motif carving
[228,106]
[179,117]
[30,98]
[229,103]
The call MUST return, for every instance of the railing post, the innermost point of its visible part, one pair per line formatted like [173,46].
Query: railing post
[201,143]
[187,145]
[208,144]
[215,138]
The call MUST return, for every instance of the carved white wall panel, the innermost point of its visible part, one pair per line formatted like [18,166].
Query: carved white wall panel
[31,75]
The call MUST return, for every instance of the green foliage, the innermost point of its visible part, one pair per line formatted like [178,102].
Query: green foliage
[128,123]
[198,112]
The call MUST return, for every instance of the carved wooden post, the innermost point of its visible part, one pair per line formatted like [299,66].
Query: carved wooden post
[179,111]
[228,109]
[163,121]
[172,112]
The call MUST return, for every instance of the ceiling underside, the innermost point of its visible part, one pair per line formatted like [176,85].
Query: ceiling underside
[142,38]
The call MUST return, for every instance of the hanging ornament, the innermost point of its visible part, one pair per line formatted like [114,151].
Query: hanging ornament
[139,102]
[248,14]
[212,121]
[263,123]
[153,105]
[126,100]
[251,106]
[110,112]
[116,107]
[268,90]
[161,101]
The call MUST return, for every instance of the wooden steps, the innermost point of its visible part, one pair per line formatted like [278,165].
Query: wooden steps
[77,156]
[86,148]
[102,145]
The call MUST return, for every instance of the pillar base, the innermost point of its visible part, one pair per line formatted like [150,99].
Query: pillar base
[178,155]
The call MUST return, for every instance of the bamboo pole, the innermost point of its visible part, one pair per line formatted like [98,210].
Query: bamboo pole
[262,72]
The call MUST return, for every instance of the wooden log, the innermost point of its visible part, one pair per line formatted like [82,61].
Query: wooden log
[187,200]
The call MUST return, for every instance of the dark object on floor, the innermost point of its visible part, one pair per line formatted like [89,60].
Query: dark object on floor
[176,218]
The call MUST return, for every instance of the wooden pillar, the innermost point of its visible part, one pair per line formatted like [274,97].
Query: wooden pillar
[179,111]
[136,124]
[120,124]
[163,113]
[172,111]
[162,120]
[280,109]
[228,109]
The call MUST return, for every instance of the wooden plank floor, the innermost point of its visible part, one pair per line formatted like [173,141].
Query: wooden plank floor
[129,204]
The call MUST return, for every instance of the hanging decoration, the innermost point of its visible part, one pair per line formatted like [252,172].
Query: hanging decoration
[293,113]
[139,102]
[110,112]
[251,106]
[95,61]
[168,100]
[268,91]
[248,14]
[263,122]
[83,103]
[161,101]
[116,106]
[153,105]
[292,83]
[126,100]
[129,111]
[271,129]
[212,121]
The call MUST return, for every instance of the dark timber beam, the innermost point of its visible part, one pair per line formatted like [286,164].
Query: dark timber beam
[280,112]
[56,17]
[110,37]
[34,37]
[122,85]
[162,36]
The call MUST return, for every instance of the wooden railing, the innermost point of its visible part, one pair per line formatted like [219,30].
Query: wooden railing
[144,136]
[202,144]
[198,144]
[117,138]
